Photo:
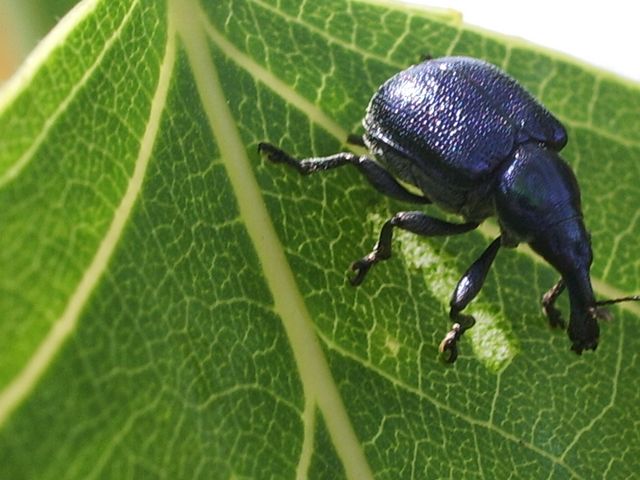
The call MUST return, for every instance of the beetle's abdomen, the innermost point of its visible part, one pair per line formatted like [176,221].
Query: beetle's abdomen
[457,118]
[520,107]
[534,191]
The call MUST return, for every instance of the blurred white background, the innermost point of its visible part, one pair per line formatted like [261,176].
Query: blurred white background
[605,34]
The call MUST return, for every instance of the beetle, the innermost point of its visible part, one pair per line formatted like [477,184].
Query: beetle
[475,143]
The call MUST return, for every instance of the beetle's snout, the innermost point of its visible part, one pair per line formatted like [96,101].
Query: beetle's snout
[584,331]
[578,248]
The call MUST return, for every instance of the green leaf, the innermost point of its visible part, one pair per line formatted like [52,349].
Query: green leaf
[173,306]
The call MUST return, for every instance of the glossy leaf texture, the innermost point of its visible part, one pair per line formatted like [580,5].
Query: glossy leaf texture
[173,306]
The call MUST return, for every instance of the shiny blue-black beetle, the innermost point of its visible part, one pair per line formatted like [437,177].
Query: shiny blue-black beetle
[476,143]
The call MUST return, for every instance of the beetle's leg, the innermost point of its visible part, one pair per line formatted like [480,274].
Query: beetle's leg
[548,305]
[467,289]
[382,180]
[415,222]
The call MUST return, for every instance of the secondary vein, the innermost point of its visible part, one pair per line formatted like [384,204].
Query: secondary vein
[24,382]
[14,170]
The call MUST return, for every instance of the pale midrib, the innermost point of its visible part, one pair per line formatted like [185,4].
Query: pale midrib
[14,170]
[317,381]
[22,384]
[308,442]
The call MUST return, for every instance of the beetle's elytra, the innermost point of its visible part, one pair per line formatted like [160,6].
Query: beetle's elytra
[476,143]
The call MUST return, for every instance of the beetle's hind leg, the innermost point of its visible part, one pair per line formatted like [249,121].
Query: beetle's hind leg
[382,180]
[415,222]
[467,289]
[548,305]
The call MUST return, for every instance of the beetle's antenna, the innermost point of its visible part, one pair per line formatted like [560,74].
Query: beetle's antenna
[632,298]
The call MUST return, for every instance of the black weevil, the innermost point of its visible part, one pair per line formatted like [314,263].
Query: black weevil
[475,143]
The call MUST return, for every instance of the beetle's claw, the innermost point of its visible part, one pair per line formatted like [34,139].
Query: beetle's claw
[272,152]
[581,347]
[449,346]
[361,267]
[448,349]
[264,147]
[277,155]
[584,331]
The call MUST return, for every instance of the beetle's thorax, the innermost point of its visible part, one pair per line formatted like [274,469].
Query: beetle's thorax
[535,191]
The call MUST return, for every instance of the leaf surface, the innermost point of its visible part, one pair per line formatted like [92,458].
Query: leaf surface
[173,306]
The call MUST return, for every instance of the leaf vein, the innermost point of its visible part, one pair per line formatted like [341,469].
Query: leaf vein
[14,170]
[444,407]
[612,400]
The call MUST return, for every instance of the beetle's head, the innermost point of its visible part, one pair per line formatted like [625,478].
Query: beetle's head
[567,247]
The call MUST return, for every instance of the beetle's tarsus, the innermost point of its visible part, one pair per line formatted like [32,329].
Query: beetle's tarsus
[382,251]
[275,154]
[269,149]
[361,267]
[449,346]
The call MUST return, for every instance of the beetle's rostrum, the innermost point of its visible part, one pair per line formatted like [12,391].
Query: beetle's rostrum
[474,142]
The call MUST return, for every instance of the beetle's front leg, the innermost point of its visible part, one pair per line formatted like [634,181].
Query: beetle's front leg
[467,289]
[381,180]
[548,305]
[415,222]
